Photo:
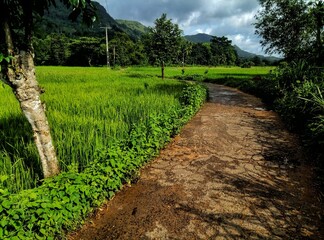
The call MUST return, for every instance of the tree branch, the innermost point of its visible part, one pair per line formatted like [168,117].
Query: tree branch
[27,7]
[9,45]
[8,37]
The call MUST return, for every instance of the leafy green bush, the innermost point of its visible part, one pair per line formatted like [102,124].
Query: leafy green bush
[295,107]
[312,95]
[267,88]
[288,75]
[191,77]
[61,203]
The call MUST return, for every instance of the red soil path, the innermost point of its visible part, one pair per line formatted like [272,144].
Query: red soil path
[233,172]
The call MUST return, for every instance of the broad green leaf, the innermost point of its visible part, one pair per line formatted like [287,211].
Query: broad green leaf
[39,211]
[43,231]
[3,177]
[3,222]
[6,204]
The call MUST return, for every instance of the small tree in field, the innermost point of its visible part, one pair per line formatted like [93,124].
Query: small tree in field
[17,19]
[163,42]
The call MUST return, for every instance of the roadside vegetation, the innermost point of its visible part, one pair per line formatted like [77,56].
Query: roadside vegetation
[88,110]
[105,125]
[296,88]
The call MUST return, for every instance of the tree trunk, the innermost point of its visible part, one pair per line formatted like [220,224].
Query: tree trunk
[183,59]
[23,81]
[162,69]
[20,75]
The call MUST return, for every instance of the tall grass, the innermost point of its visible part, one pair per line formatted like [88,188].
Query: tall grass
[87,109]
[18,154]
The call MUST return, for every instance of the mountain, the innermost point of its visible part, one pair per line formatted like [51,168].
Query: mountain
[199,38]
[243,54]
[56,21]
[205,38]
[247,55]
[133,28]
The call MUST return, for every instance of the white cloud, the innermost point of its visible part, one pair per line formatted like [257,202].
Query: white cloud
[231,18]
[206,30]
[192,20]
[242,20]
[244,42]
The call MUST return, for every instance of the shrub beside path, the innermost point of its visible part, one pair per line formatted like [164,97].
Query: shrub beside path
[233,172]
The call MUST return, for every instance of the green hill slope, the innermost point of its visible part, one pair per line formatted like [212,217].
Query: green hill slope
[133,28]
[56,21]
[199,38]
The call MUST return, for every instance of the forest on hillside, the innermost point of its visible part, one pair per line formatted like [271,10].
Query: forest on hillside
[58,41]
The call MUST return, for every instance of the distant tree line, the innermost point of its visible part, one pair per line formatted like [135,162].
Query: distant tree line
[58,49]
[163,43]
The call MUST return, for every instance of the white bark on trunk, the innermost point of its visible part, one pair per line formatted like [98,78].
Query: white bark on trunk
[20,75]
[22,78]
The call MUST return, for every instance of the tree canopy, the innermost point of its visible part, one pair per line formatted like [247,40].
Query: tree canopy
[222,51]
[293,28]
[163,41]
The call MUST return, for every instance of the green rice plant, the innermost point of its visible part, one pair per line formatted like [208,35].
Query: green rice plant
[62,202]
[99,114]
[18,156]
[88,109]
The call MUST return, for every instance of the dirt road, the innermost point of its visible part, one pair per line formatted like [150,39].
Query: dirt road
[234,172]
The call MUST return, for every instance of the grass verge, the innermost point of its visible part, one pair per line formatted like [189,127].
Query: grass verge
[61,203]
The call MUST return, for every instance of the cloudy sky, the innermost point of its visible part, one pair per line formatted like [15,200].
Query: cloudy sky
[230,18]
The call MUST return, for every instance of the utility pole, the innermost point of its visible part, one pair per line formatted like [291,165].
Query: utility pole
[114,52]
[107,46]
